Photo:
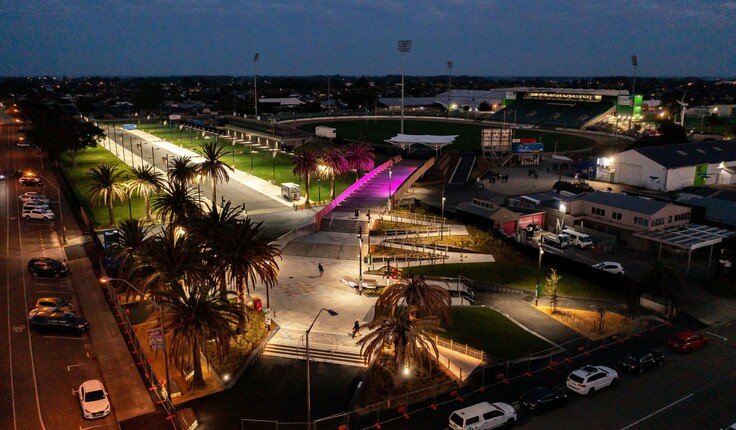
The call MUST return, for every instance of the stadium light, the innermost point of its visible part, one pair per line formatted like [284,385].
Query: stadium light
[449,85]
[255,83]
[404,47]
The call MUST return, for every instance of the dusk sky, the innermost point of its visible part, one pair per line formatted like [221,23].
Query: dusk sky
[359,37]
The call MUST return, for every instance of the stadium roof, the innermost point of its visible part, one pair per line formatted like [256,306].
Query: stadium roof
[690,154]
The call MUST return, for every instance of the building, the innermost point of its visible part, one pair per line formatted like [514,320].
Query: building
[672,167]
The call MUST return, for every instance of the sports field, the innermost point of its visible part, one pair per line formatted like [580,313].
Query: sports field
[377,131]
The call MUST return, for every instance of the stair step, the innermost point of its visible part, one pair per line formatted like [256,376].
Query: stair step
[315,354]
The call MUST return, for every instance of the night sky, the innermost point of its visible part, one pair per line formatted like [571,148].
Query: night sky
[359,37]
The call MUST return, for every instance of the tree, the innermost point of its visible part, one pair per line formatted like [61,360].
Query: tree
[335,165]
[360,157]
[176,203]
[182,170]
[132,234]
[306,163]
[144,181]
[212,167]
[421,298]
[107,186]
[551,288]
[409,339]
[193,319]
[671,133]
[662,281]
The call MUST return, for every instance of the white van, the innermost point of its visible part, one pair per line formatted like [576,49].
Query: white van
[580,240]
[483,416]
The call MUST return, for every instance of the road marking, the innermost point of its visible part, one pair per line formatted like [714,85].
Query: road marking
[63,337]
[713,334]
[51,292]
[655,413]
[92,427]
[18,328]
[68,368]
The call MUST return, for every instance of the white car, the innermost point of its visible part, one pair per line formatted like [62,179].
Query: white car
[23,143]
[353,283]
[35,204]
[33,196]
[483,416]
[589,379]
[44,214]
[610,267]
[94,400]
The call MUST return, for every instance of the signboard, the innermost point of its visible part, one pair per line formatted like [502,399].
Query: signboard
[527,148]
[510,95]
[156,339]
[595,98]
[174,117]
[496,139]
[129,127]
[701,174]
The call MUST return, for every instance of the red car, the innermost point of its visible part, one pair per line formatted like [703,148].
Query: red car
[686,341]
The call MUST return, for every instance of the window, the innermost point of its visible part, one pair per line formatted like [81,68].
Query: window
[669,219]
[616,215]
[641,221]
[598,211]
[472,420]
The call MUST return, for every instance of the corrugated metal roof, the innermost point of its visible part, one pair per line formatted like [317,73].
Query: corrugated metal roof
[622,201]
[690,154]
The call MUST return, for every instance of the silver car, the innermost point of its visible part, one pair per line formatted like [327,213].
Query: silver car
[44,214]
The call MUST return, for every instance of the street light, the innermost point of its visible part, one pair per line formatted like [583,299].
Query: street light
[449,86]
[539,269]
[309,383]
[404,47]
[105,280]
[360,264]
[442,230]
[255,84]
[389,187]
[250,144]
[563,209]
[273,160]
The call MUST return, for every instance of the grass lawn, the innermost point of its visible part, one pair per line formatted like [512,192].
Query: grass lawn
[376,132]
[491,332]
[517,275]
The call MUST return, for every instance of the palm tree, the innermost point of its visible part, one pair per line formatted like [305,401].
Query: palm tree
[410,339]
[247,255]
[144,181]
[335,165]
[306,163]
[170,261]
[107,186]
[212,167]
[176,203]
[421,298]
[198,318]
[360,157]
[132,235]
[182,170]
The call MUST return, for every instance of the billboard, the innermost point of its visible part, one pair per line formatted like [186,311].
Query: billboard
[528,148]
[496,139]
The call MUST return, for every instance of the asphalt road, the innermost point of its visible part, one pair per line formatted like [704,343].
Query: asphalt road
[39,373]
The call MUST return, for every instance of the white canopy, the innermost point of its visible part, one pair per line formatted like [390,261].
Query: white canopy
[405,141]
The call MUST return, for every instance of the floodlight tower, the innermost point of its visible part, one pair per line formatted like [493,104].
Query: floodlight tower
[634,63]
[449,86]
[404,47]
[255,83]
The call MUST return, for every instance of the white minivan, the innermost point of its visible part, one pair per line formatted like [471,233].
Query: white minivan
[580,240]
[483,416]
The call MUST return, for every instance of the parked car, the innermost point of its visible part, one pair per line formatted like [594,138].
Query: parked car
[33,196]
[540,399]
[34,205]
[94,400]
[58,304]
[44,266]
[686,341]
[353,282]
[610,267]
[59,321]
[638,362]
[482,416]
[44,214]
[2,175]
[31,181]
[589,379]
[23,143]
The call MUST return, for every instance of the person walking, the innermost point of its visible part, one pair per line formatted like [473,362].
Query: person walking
[321,269]
[356,328]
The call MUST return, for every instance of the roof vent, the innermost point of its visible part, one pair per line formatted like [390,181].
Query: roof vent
[717,149]
[681,152]
[700,150]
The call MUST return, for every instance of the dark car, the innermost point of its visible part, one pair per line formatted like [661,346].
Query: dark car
[31,181]
[686,341]
[59,321]
[44,266]
[540,399]
[638,362]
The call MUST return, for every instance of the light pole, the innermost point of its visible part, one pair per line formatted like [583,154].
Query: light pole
[404,47]
[309,381]
[250,144]
[442,230]
[539,269]
[199,192]
[255,84]
[389,188]
[634,62]
[370,257]
[563,209]
[273,160]
[360,264]
[319,190]
[105,280]
[449,86]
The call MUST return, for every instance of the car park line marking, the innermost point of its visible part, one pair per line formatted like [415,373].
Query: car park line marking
[69,367]
[92,427]
[713,334]
[63,337]
[656,412]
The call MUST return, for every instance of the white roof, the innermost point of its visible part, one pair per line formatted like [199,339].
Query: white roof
[427,139]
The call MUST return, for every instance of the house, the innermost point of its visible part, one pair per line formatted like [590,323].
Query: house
[672,167]
[505,220]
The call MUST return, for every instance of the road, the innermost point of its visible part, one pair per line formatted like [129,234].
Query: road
[39,374]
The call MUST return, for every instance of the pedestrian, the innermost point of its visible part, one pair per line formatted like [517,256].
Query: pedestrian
[321,269]
[356,328]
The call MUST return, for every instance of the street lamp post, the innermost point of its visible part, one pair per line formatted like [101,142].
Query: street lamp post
[442,228]
[199,192]
[255,84]
[404,47]
[539,269]
[370,257]
[389,188]
[449,86]
[250,144]
[309,382]
[360,264]
[563,209]
[273,160]
[106,279]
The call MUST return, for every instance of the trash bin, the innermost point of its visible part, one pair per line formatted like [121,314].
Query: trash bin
[257,304]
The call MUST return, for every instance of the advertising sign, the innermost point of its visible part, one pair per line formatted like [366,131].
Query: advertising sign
[701,174]
[527,148]
[156,339]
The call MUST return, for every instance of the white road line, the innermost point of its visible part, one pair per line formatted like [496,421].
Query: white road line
[63,337]
[69,367]
[713,334]
[92,427]
[655,413]
[51,292]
